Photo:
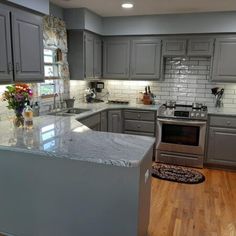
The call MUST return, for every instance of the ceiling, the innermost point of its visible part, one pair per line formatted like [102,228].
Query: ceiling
[149,7]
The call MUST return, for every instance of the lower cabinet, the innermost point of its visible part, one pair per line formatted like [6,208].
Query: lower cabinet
[115,123]
[139,122]
[93,122]
[221,142]
[104,121]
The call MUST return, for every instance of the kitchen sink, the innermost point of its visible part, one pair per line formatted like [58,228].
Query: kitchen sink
[68,112]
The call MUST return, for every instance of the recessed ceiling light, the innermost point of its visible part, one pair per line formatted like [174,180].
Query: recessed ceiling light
[127,5]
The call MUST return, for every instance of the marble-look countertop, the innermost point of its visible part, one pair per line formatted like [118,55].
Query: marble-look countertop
[222,111]
[65,137]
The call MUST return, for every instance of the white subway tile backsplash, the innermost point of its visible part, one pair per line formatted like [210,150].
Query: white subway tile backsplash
[186,79]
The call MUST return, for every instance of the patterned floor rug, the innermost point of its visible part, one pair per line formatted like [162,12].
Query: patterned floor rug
[177,174]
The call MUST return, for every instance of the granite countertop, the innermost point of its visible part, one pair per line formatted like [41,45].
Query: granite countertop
[65,137]
[222,111]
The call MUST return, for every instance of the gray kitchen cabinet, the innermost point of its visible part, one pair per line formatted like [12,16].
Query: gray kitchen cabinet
[224,69]
[115,124]
[221,141]
[84,55]
[145,58]
[139,122]
[21,49]
[97,58]
[6,70]
[174,47]
[116,58]
[104,121]
[200,47]
[27,47]
[89,52]
[93,122]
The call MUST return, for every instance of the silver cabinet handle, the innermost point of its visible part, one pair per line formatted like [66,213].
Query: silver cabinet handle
[10,67]
[17,67]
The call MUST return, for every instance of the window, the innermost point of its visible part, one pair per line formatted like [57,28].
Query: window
[51,73]
[50,64]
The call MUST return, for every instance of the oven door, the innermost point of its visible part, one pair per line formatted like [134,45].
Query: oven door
[181,136]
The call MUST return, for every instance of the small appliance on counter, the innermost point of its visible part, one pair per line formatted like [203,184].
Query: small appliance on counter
[97,86]
[90,96]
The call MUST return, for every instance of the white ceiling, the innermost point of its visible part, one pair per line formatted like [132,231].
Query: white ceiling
[149,7]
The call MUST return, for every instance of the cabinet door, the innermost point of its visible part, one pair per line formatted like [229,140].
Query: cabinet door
[6,73]
[221,146]
[115,121]
[104,121]
[224,69]
[116,58]
[97,60]
[27,46]
[145,59]
[174,47]
[200,47]
[89,53]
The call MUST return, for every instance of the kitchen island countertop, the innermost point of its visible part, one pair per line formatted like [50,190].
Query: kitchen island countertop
[65,137]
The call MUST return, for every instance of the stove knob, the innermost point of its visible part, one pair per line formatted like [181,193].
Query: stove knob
[197,114]
[202,115]
[192,114]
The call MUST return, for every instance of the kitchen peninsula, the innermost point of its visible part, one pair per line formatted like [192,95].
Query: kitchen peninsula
[61,178]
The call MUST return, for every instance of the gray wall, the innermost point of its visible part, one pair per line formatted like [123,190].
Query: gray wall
[219,22]
[56,10]
[82,18]
[75,18]
[37,5]
[93,22]
[171,24]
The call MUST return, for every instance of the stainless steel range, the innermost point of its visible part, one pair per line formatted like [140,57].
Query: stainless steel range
[181,132]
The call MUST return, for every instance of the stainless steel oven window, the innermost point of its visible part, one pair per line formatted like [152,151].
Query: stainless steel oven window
[180,134]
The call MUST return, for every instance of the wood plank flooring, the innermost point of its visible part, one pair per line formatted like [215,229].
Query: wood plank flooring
[206,209]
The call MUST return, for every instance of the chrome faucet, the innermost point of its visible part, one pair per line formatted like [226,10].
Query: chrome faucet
[54,100]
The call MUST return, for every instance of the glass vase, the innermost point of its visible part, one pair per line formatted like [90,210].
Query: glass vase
[18,120]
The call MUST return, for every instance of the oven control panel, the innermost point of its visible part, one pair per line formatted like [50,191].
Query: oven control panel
[185,112]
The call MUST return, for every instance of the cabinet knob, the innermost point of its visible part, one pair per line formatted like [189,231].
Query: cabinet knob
[228,123]
[139,116]
[138,126]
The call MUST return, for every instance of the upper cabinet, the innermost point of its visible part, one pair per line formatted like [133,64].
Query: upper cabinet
[21,46]
[84,55]
[145,59]
[132,58]
[224,69]
[27,47]
[199,46]
[6,66]
[174,47]
[116,58]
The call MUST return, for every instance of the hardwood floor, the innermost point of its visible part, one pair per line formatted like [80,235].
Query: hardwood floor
[206,209]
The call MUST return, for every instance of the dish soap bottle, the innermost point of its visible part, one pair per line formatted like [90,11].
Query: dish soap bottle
[28,116]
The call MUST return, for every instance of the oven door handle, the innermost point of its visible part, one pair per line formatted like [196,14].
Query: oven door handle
[181,122]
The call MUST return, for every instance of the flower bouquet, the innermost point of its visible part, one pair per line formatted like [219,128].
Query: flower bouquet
[17,96]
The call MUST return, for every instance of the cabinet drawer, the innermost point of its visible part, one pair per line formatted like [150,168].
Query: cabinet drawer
[223,121]
[139,115]
[91,121]
[139,126]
